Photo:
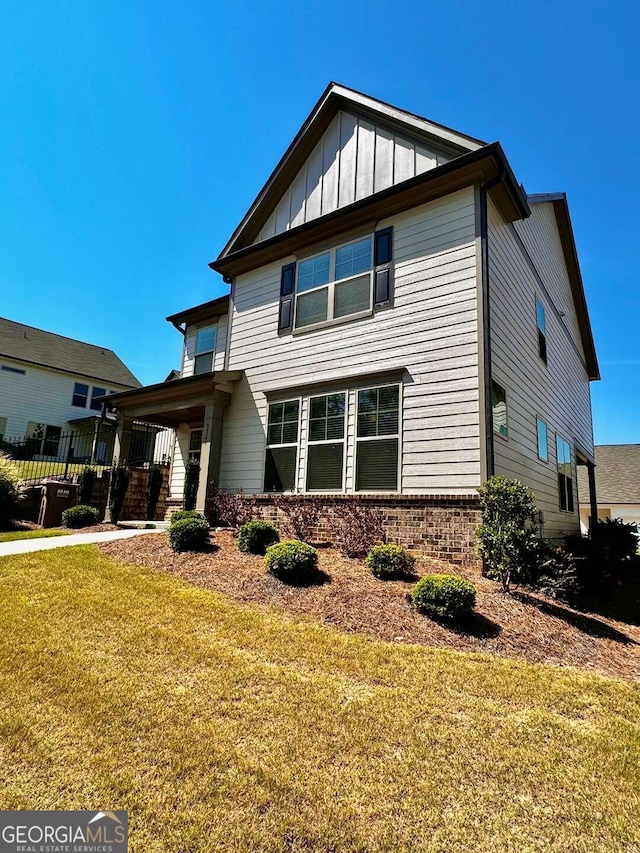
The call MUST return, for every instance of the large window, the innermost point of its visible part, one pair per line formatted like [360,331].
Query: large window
[334,284]
[565,474]
[543,442]
[325,450]
[80,395]
[205,346]
[378,429]
[499,410]
[282,446]
[541,319]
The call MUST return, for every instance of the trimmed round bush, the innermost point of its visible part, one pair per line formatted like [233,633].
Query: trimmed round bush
[256,536]
[181,514]
[80,516]
[390,561]
[189,534]
[444,596]
[291,560]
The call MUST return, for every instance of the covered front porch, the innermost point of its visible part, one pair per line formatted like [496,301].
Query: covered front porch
[192,408]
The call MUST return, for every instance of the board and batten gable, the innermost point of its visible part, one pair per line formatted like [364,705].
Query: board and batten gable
[354,158]
[41,395]
[431,331]
[526,262]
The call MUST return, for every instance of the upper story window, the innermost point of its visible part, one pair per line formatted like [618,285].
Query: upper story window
[80,395]
[205,346]
[95,393]
[334,284]
[565,474]
[543,442]
[499,410]
[541,319]
[341,283]
[10,369]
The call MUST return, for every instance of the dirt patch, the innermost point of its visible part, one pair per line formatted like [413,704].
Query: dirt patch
[521,625]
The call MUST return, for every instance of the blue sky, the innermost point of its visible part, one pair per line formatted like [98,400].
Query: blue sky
[134,135]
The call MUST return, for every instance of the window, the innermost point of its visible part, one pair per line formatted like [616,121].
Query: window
[13,369]
[565,481]
[195,444]
[543,444]
[377,439]
[205,345]
[541,319]
[282,447]
[97,392]
[80,395]
[499,410]
[42,439]
[325,451]
[334,284]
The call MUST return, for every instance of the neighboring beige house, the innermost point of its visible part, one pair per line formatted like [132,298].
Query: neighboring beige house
[50,386]
[617,484]
[403,321]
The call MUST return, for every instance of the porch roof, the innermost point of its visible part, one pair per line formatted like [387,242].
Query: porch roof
[172,403]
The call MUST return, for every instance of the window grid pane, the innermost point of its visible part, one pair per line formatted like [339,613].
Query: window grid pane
[543,445]
[205,340]
[378,411]
[353,259]
[499,409]
[282,423]
[314,272]
[312,307]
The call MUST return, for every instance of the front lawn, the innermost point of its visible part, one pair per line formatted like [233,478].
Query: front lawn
[13,535]
[223,726]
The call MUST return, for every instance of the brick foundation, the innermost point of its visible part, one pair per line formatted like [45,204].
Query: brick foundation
[441,526]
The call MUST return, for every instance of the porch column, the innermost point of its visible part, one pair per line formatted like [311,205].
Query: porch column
[593,498]
[210,451]
[122,442]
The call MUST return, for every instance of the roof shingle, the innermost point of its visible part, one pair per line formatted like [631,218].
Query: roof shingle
[617,475]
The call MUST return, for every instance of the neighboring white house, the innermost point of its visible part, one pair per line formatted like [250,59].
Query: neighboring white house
[403,321]
[617,484]
[49,388]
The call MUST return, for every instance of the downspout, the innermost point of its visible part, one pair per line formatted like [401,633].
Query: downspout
[486,315]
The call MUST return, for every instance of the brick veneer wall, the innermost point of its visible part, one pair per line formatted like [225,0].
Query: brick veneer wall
[438,525]
[135,499]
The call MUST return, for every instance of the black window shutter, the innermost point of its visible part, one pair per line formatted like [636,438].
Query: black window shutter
[382,258]
[287,286]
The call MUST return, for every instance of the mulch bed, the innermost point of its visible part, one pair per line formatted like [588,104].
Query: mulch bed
[523,624]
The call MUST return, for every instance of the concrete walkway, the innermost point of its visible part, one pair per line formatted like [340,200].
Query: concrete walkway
[26,546]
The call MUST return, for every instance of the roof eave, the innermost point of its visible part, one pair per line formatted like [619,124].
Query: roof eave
[214,308]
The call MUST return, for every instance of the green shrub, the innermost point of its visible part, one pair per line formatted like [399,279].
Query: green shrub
[444,596]
[80,516]
[606,558]
[86,482]
[507,539]
[119,484]
[154,485]
[256,536]
[191,483]
[390,561]
[181,514]
[292,560]
[189,534]
[11,488]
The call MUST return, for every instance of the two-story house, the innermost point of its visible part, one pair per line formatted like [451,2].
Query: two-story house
[50,387]
[403,321]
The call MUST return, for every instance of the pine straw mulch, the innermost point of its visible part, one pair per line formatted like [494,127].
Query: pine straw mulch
[523,624]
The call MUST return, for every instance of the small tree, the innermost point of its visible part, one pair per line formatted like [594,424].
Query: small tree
[119,484]
[357,527]
[154,485]
[233,509]
[302,514]
[86,482]
[191,483]
[507,538]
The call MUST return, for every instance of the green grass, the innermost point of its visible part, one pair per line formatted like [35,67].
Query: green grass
[222,727]
[32,469]
[13,535]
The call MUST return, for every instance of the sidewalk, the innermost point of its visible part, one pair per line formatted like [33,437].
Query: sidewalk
[26,546]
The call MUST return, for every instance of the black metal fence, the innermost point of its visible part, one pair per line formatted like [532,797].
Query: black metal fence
[49,452]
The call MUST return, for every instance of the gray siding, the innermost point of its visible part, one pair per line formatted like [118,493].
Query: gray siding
[558,393]
[353,159]
[432,331]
